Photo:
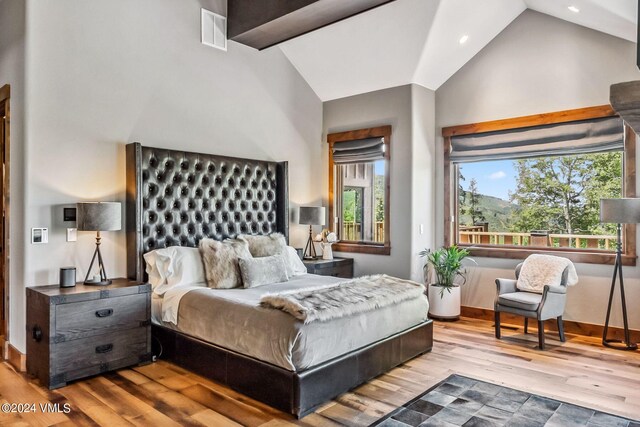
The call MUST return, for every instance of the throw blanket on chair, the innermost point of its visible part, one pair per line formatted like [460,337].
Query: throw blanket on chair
[344,298]
[540,270]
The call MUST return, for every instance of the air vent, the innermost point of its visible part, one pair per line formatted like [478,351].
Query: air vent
[214,30]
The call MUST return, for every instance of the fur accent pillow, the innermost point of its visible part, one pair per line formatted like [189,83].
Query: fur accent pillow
[273,244]
[220,261]
[263,271]
[260,246]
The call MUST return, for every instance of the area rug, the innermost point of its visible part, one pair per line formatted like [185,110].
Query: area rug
[462,401]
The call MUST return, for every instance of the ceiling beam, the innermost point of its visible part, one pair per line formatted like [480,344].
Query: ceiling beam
[265,23]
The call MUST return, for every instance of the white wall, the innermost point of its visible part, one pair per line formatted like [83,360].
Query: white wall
[539,64]
[410,110]
[12,72]
[379,108]
[102,74]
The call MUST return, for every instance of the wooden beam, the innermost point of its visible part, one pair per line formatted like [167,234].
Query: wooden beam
[262,24]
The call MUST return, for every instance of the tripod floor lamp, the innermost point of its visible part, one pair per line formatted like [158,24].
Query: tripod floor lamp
[619,211]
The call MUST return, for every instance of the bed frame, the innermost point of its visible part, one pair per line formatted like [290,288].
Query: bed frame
[177,198]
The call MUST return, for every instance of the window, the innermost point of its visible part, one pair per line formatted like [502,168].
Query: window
[359,189]
[534,184]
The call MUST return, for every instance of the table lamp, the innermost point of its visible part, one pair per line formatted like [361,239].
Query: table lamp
[311,215]
[619,211]
[98,216]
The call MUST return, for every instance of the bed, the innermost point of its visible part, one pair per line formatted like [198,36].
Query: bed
[175,198]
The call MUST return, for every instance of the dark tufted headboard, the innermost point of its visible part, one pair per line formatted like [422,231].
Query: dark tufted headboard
[176,198]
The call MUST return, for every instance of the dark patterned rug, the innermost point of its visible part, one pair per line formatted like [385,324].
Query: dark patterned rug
[462,401]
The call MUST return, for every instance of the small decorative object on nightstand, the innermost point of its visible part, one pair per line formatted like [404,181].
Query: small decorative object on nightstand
[81,331]
[337,267]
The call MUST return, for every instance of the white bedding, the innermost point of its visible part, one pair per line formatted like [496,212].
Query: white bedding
[234,319]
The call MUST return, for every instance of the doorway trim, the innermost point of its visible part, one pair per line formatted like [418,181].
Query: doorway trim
[5,96]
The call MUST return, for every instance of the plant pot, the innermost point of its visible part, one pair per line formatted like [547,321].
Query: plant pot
[446,307]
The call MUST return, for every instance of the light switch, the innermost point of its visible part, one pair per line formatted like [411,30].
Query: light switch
[72,234]
[421,228]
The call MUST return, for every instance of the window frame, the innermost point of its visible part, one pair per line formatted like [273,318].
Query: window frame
[593,256]
[361,246]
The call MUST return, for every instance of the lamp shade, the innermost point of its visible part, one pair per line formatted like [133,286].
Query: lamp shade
[99,216]
[620,211]
[312,215]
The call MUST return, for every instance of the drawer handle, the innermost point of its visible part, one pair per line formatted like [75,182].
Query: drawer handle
[104,313]
[36,333]
[106,348]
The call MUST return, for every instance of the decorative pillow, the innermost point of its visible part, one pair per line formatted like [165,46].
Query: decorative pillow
[220,261]
[173,266]
[263,271]
[294,263]
[260,246]
[273,244]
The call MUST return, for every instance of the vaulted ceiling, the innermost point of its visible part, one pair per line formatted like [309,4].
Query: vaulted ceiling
[419,41]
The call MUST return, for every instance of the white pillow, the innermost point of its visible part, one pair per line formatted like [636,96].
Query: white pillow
[174,266]
[263,271]
[295,265]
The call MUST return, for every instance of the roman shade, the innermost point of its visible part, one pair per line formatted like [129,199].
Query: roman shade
[578,137]
[358,151]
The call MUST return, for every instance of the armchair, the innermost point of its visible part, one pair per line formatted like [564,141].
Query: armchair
[541,307]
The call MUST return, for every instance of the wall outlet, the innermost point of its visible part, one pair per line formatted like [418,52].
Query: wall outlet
[72,234]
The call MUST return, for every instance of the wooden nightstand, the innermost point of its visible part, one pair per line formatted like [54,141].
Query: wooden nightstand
[337,267]
[76,332]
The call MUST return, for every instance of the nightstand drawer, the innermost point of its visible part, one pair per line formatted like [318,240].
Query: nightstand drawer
[89,318]
[98,353]
[344,271]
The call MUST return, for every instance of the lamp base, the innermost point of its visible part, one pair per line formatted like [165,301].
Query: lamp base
[97,283]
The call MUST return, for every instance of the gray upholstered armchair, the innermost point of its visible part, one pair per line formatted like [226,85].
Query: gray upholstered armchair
[541,307]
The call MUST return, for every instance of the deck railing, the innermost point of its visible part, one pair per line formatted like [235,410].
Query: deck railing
[468,235]
[352,231]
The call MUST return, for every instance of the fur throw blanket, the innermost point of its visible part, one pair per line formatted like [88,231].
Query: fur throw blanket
[345,298]
[540,270]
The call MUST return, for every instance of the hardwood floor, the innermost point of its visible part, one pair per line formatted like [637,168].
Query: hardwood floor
[580,371]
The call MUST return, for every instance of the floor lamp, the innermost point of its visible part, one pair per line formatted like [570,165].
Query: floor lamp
[311,215]
[619,211]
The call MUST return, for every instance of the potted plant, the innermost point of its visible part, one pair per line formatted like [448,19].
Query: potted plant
[444,273]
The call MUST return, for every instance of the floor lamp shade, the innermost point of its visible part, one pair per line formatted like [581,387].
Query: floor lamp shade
[98,216]
[619,211]
[311,215]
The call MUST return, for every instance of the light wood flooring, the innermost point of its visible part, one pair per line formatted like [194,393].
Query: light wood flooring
[580,371]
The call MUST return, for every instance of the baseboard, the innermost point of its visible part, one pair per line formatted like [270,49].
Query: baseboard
[4,344]
[16,359]
[570,326]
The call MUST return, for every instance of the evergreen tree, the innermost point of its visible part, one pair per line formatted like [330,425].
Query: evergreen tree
[473,210]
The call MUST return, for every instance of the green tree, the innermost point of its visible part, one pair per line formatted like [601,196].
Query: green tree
[562,193]
[473,210]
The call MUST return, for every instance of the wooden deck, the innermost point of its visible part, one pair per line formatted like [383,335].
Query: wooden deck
[581,371]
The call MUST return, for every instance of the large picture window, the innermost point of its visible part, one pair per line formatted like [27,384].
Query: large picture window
[358,189]
[534,184]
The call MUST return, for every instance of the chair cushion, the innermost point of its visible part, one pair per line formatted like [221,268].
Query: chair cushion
[522,300]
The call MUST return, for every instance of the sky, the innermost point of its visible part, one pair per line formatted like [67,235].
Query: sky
[494,178]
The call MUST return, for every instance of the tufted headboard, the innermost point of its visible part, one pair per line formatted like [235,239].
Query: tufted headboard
[176,198]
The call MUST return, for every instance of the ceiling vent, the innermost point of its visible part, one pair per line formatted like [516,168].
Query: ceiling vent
[214,30]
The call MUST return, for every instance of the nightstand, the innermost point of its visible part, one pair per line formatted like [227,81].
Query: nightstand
[337,267]
[81,331]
